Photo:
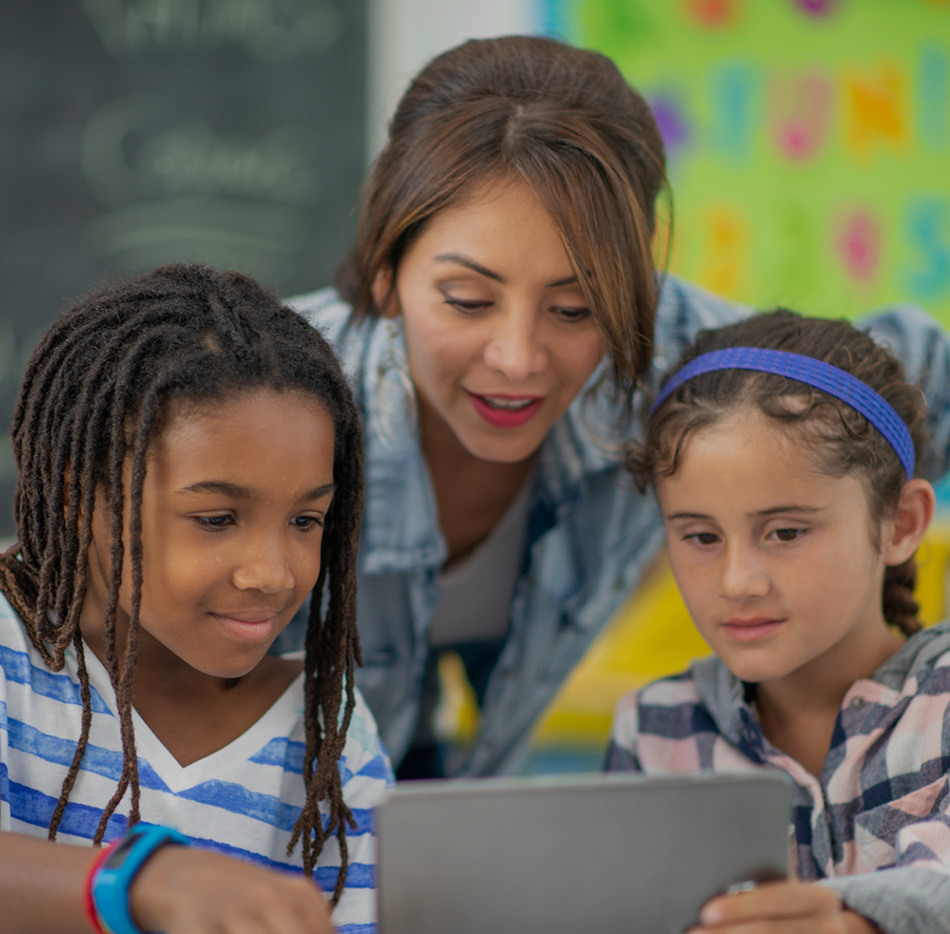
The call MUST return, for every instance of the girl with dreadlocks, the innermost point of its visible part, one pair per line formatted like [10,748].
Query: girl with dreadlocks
[190,469]
[785,453]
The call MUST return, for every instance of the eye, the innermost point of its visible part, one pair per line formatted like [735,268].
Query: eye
[788,535]
[307,523]
[215,523]
[702,538]
[466,307]
[571,315]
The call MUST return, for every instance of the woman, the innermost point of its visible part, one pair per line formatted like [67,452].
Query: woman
[494,317]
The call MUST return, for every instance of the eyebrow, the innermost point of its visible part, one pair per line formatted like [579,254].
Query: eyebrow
[469,263]
[790,507]
[771,511]
[241,492]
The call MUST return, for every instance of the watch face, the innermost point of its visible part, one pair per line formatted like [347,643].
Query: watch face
[117,857]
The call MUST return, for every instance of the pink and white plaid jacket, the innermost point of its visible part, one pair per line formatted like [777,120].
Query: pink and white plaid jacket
[876,824]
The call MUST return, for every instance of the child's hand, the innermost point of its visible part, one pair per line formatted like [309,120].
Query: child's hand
[191,891]
[782,908]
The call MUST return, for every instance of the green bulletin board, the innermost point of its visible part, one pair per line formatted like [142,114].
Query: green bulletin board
[808,141]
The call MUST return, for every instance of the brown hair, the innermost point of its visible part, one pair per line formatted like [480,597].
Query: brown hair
[563,121]
[841,440]
[95,394]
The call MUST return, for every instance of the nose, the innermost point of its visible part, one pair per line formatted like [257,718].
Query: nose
[743,577]
[265,566]
[516,348]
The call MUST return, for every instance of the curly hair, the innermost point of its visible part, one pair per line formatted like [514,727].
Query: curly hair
[93,398]
[840,439]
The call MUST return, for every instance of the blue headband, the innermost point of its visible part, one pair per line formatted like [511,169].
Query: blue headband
[836,382]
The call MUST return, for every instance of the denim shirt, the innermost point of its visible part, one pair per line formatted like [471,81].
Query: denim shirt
[589,533]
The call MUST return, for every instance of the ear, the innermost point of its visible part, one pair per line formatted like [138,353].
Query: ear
[913,516]
[384,293]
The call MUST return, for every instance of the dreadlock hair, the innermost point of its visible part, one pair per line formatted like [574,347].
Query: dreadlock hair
[95,394]
[840,439]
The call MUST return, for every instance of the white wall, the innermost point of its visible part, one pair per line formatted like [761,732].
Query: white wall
[405,34]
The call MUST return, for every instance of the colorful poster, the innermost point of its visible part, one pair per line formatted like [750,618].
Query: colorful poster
[808,141]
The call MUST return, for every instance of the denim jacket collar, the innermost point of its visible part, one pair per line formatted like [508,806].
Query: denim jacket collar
[401,529]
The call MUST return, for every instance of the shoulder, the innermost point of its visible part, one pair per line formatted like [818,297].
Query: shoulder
[681,299]
[928,676]
[923,663]
[324,307]
[333,317]
[683,310]
[16,648]
[660,708]
[360,343]
[682,723]
[365,765]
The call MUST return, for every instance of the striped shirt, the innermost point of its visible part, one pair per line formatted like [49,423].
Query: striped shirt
[242,800]
[876,823]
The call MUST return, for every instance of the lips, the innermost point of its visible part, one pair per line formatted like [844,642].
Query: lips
[256,625]
[505,410]
[752,629]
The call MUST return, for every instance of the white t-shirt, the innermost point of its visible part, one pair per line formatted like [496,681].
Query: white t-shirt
[242,800]
[476,592]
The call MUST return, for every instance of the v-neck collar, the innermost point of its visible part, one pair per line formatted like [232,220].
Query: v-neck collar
[279,720]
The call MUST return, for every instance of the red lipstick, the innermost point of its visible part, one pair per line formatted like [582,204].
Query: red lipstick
[505,411]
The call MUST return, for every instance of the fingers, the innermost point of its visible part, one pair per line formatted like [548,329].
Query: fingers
[268,916]
[775,908]
[190,891]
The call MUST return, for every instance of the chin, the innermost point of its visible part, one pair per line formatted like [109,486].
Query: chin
[752,674]
[504,452]
[231,672]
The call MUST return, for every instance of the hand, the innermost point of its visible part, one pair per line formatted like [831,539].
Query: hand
[782,908]
[181,890]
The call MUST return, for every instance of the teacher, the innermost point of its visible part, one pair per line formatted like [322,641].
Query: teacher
[496,318]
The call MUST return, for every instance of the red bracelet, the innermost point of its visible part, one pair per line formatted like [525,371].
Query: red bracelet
[89,906]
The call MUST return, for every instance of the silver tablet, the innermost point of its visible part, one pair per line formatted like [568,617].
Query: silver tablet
[551,854]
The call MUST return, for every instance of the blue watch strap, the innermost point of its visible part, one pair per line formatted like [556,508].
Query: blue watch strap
[113,878]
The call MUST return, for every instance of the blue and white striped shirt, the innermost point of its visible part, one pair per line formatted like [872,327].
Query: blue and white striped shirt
[242,800]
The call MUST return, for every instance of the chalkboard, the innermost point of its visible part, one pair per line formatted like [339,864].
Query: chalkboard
[139,132]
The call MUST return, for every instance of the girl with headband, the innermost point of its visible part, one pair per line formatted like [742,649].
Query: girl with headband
[784,456]
[496,311]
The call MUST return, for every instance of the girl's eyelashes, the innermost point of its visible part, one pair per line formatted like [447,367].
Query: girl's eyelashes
[307,523]
[787,534]
[214,523]
[702,538]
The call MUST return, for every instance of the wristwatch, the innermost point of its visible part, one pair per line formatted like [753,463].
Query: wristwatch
[114,876]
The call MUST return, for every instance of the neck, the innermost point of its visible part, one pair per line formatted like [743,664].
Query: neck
[471,494]
[798,712]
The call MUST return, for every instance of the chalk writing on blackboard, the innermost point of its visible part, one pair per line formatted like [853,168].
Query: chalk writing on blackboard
[269,30]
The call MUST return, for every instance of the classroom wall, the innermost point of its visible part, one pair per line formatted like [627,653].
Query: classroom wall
[808,140]
[405,34]
[140,132]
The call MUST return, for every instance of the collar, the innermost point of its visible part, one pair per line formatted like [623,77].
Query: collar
[400,525]
[724,695]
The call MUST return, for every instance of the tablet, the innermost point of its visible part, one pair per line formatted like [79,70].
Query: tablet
[571,854]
